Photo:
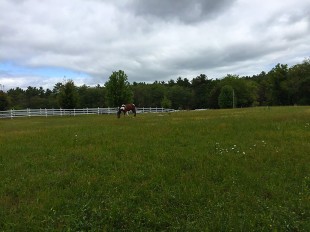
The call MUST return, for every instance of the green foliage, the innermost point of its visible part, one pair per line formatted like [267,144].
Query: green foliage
[4,101]
[181,97]
[149,95]
[91,97]
[67,96]
[142,95]
[214,170]
[157,92]
[278,76]
[214,96]
[226,97]
[299,76]
[183,82]
[166,103]
[245,90]
[17,98]
[118,89]
[201,88]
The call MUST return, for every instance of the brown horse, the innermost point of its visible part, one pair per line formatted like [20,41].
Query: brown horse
[125,109]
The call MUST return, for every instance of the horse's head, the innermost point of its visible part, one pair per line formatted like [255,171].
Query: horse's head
[119,111]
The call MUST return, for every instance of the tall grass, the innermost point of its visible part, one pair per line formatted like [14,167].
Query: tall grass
[214,170]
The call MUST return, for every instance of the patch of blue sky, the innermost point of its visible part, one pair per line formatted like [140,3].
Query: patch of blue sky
[12,69]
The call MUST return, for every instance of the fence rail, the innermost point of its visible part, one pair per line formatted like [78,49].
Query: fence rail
[73,112]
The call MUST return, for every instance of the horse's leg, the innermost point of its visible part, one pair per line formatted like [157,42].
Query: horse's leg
[134,111]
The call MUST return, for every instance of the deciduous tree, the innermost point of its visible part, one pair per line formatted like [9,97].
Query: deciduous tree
[118,89]
[68,97]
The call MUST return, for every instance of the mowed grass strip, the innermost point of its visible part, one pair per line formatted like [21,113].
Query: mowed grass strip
[213,170]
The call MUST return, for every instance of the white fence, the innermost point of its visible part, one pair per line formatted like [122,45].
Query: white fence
[72,112]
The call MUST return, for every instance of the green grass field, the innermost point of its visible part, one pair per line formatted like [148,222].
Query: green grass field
[214,170]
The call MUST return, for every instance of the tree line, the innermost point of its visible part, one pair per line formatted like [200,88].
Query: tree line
[281,86]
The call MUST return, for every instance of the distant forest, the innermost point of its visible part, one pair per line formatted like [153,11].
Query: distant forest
[281,86]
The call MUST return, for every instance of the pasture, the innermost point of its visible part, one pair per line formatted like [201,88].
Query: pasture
[214,170]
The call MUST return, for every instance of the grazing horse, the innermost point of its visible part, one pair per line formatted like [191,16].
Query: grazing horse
[125,109]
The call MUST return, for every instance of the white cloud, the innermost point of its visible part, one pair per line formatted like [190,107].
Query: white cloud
[150,40]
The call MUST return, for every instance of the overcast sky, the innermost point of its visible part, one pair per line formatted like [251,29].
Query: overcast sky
[45,42]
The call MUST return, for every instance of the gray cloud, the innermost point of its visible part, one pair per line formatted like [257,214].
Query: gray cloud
[150,40]
[182,10]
